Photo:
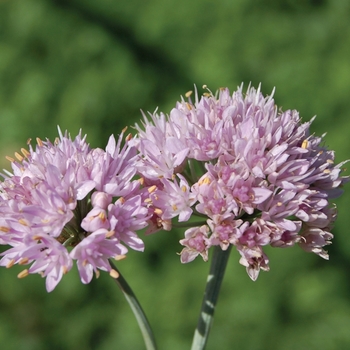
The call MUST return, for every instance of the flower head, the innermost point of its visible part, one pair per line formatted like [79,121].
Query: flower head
[65,195]
[255,175]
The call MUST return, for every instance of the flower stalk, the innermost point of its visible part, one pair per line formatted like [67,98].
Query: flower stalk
[211,294]
[136,308]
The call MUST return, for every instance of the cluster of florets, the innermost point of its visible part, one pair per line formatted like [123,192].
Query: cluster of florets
[254,174]
[65,201]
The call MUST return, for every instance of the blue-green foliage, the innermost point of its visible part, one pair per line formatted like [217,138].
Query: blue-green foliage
[94,65]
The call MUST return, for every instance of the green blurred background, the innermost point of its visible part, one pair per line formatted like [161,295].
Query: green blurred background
[94,65]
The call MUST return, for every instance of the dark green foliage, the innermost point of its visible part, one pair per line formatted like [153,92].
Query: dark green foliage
[94,65]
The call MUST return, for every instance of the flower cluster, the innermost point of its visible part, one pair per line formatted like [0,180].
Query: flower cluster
[255,175]
[65,201]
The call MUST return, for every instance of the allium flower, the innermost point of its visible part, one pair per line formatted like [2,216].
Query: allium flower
[65,194]
[254,174]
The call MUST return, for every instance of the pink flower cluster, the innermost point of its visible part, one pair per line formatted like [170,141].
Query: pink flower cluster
[253,174]
[65,201]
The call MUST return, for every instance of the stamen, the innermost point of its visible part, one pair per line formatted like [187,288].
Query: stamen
[4,229]
[110,233]
[25,152]
[188,93]
[114,273]
[102,216]
[97,273]
[189,107]
[10,263]
[305,144]
[152,189]
[184,188]
[39,142]
[18,156]
[10,159]
[23,222]
[23,261]
[158,211]
[205,181]
[126,128]
[23,274]
[120,257]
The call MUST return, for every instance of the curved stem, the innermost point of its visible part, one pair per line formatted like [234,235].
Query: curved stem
[136,308]
[211,294]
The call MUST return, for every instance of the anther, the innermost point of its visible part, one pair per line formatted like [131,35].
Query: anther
[39,142]
[25,152]
[110,233]
[18,156]
[23,261]
[120,257]
[158,211]
[188,93]
[305,144]
[113,273]
[10,159]
[152,189]
[23,274]
[10,263]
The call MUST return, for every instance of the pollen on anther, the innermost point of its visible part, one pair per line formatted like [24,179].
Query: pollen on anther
[114,273]
[4,229]
[23,222]
[152,189]
[10,263]
[188,93]
[110,233]
[23,274]
[25,152]
[128,138]
[158,211]
[10,159]
[18,156]
[120,257]
[304,144]
[188,106]
[23,261]
[39,142]
[183,188]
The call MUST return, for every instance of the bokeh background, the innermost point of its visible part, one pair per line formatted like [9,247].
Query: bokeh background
[93,65]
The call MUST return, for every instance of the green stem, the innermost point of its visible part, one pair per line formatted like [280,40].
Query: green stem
[136,308]
[211,294]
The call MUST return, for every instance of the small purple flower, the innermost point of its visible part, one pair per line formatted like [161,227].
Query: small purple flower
[254,175]
[64,195]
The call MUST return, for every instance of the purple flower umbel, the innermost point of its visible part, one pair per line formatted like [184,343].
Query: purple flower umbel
[254,174]
[65,195]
